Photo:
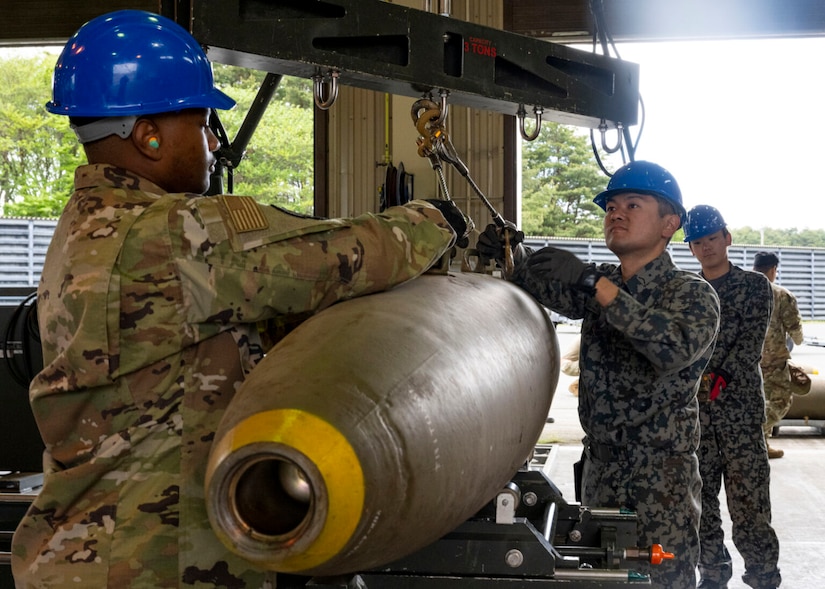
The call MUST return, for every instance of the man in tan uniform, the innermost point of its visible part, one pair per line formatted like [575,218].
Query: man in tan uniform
[786,322]
[151,305]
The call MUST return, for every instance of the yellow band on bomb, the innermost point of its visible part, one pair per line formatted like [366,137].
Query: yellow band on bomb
[337,462]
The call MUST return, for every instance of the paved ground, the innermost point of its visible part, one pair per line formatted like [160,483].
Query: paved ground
[797,480]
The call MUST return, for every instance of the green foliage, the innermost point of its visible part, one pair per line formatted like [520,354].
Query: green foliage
[38,151]
[560,178]
[277,165]
[786,237]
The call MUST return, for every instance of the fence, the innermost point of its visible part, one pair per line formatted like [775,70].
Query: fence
[23,244]
[801,270]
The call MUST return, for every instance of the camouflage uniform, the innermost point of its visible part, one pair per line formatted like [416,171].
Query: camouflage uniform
[641,357]
[148,308]
[733,447]
[785,321]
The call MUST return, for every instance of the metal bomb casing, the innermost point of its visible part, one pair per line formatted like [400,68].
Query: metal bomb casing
[382,423]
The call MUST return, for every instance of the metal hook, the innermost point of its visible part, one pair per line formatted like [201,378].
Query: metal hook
[603,131]
[537,111]
[318,83]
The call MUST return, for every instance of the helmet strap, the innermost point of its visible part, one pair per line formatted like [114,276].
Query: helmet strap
[121,126]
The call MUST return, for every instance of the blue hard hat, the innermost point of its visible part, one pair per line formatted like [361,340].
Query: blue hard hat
[702,220]
[132,62]
[644,178]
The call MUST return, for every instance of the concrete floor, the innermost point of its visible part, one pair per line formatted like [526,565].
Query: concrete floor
[797,479]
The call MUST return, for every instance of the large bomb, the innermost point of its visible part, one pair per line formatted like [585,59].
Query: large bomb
[382,423]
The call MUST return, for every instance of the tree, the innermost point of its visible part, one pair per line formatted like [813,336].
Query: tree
[560,178]
[277,165]
[38,151]
[787,237]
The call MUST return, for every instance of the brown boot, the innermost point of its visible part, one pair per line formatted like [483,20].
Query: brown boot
[775,452]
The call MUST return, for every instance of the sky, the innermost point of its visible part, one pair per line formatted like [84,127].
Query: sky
[740,124]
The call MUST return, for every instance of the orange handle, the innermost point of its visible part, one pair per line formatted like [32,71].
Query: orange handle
[657,554]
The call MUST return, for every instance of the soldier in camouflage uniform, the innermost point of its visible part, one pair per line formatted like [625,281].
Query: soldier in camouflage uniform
[786,322]
[732,410]
[150,306]
[647,334]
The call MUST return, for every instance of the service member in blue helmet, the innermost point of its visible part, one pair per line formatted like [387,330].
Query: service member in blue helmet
[731,411]
[647,334]
[151,305]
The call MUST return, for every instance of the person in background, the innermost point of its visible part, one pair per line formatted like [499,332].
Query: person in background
[647,333]
[151,306]
[732,411]
[785,324]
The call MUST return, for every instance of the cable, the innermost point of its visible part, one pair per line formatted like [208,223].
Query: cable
[602,36]
[31,332]
[24,319]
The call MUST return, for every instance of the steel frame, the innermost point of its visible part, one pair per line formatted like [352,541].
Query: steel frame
[385,47]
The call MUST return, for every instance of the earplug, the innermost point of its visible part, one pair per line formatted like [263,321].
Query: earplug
[154,143]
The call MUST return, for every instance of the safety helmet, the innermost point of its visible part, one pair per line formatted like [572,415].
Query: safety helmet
[644,178]
[702,220]
[132,62]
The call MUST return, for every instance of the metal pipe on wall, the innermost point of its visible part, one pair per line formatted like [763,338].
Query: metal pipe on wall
[444,7]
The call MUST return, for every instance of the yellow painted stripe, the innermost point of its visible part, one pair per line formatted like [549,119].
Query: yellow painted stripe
[334,457]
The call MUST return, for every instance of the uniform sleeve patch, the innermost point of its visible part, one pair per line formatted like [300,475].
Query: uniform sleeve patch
[244,213]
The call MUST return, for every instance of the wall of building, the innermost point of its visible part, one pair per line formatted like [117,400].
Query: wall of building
[370,130]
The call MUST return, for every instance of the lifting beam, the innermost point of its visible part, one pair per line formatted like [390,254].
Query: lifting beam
[389,48]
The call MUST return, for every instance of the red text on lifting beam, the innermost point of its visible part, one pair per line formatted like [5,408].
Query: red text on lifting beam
[480,46]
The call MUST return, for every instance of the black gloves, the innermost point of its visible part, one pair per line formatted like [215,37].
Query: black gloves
[491,241]
[456,219]
[562,266]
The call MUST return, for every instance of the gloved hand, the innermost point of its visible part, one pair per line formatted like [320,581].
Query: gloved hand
[456,219]
[563,266]
[491,241]
[717,382]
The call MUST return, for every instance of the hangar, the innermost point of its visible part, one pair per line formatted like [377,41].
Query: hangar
[494,104]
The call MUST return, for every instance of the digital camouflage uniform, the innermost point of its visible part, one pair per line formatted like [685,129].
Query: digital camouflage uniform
[148,305]
[641,358]
[733,448]
[785,322]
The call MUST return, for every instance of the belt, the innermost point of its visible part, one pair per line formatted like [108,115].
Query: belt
[612,453]
[606,452]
